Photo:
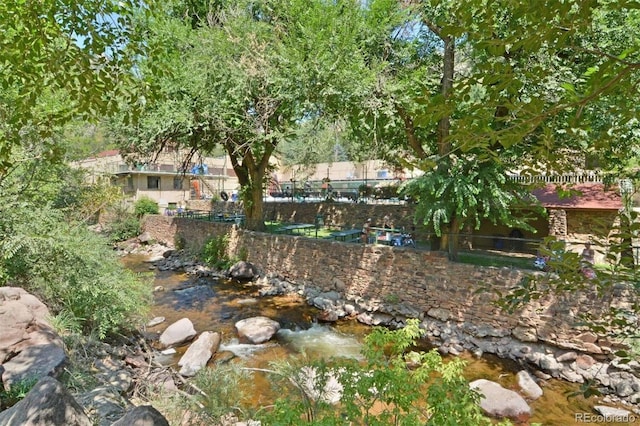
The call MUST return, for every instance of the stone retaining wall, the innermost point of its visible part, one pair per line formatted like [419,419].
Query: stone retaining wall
[423,281]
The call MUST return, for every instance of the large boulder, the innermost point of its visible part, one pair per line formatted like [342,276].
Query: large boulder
[47,404]
[29,347]
[243,271]
[144,415]
[33,363]
[257,329]
[177,333]
[497,401]
[199,353]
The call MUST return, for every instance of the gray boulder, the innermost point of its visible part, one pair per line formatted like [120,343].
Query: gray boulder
[243,271]
[199,353]
[47,404]
[257,329]
[528,385]
[33,363]
[179,332]
[497,401]
[144,415]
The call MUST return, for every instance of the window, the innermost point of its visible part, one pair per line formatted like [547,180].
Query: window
[153,182]
[177,183]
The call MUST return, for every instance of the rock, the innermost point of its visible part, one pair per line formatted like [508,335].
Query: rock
[587,337]
[155,321]
[529,386]
[328,315]
[47,403]
[23,323]
[592,348]
[145,238]
[33,363]
[550,364]
[199,353]
[584,361]
[257,329]
[614,415]
[104,403]
[144,415]
[439,313]
[525,334]
[497,401]
[179,332]
[567,356]
[162,379]
[243,271]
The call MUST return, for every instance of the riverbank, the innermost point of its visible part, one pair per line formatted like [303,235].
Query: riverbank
[547,363]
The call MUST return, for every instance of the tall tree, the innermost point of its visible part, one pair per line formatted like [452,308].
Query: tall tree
[60,60]
[502,86]
[247,76]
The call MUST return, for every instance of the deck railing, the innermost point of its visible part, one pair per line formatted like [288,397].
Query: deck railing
[591,177]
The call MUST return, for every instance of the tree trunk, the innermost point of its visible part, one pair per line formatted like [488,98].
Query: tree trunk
[444,129]
[454,238]
[254,207]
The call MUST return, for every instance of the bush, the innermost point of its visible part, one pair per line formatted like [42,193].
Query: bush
[145,205]
[381,390]
[124,228]
[72,270]
[214,252]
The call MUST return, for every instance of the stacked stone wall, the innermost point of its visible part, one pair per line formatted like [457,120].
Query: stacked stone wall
[425,281]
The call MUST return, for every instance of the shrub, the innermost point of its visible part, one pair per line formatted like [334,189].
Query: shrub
[124,228]
[145,205]
[72,270]
[382,390]
[214,252]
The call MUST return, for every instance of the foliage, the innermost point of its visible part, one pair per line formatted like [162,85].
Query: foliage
[470,193]
[277,65]
[17,392]
[61,60]
[214,252]
[45,249]
[145,205]
[71,269]
[387,388]
[123,228]
[223,389]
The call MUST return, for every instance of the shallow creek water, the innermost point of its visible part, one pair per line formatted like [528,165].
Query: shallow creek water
[218,305]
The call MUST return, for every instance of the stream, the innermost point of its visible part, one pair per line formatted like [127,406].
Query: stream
[213,305]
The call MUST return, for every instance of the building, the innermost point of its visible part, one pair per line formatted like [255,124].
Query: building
[165,180]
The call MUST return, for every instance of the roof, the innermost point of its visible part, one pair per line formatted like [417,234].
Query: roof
[109,153]
[592,196]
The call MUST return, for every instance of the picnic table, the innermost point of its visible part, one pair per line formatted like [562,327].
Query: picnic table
[222,217]
[346,235]
[296,228]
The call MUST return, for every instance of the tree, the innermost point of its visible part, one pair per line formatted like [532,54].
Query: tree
[60,60]
[48,250]
[246,78]
[503,86]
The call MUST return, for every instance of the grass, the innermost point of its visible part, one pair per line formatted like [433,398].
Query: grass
[497,260]
[272,228]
